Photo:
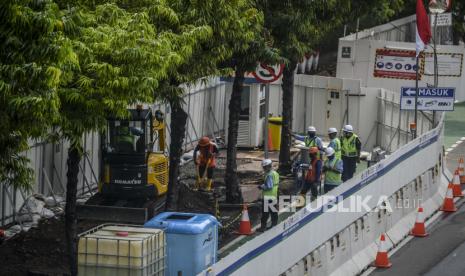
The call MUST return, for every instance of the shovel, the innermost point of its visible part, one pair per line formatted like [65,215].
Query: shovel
[200,184]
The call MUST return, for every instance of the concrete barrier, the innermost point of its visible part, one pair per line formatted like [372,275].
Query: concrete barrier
[321,242]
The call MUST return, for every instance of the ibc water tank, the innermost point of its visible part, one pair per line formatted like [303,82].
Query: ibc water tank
[191,240]
[113,250]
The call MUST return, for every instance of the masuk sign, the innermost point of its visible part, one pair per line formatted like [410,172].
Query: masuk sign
[429,99]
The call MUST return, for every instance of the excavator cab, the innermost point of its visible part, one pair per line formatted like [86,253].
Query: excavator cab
[133,167]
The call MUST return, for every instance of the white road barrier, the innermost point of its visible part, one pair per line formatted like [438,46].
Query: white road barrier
[324,242]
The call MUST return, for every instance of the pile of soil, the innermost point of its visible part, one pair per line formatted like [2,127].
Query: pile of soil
[40,251]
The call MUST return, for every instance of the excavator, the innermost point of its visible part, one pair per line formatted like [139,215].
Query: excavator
[134,169]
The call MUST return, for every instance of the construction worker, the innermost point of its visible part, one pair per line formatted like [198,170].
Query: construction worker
[351,148]
[204,158]
[313,176]
[269,195]
[333,169]
[311,140]
[334,142]
[126,137]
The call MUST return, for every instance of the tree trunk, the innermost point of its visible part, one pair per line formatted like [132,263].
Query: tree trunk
[74,157]
[233,193]
[178,130]
[288,97]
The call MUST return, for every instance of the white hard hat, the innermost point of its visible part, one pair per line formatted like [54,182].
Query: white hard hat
[332,130]
[329,151]
[311,128]
[266,162]
[348,128]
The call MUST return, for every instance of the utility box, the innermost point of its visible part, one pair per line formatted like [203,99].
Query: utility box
[113,250]
[192,241]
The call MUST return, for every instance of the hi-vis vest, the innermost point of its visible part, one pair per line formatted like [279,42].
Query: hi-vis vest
[274,191]
[311,142]
[205,155]
[311,174]
[337,147]
[349,148]
[331,177]
[124,135]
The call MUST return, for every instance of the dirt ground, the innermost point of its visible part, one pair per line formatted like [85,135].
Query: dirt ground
[42,250]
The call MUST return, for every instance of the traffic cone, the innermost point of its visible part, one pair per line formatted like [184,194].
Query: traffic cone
[245,228]
[448,205]
[456,189]
[461,169]
[382,259]
[419,227]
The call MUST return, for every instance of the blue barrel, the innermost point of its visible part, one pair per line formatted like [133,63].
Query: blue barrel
[191,239]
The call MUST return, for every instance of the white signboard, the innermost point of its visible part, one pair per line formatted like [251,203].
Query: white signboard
[443,19]
[439,99]
[449,64]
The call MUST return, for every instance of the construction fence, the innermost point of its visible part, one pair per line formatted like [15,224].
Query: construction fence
[320,101]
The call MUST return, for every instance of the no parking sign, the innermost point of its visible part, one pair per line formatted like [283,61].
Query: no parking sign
[268,73]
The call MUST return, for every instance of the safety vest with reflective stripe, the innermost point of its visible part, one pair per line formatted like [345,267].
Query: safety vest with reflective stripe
[349,148]
[332,177]
[311,174]
[274,191]
[337,147]
[206,156]
[124,135]
[311,142]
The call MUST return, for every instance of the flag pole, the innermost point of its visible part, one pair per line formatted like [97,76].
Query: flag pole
[416,98]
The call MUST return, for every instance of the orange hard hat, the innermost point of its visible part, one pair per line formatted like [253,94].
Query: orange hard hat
[204,141]
[313,150]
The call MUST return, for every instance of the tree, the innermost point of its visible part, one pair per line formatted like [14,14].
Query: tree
[297,27]
[225,22]
[458,21]
[31,50]
[120,57]
[244,60]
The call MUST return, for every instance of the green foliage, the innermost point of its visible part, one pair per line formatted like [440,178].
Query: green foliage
[32,50]
[458,19]
[120,60]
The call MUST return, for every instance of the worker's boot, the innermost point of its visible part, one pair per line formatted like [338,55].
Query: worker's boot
[197,184]
[209,185]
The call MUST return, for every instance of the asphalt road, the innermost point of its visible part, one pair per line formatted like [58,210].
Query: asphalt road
[440,253]
[443,251]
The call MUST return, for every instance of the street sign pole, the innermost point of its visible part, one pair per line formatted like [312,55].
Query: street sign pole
[435,58]
[267,107]
[267,74]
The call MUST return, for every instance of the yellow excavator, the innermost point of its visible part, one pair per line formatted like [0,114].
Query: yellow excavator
[134,169]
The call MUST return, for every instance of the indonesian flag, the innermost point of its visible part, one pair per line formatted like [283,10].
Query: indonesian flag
[423,35]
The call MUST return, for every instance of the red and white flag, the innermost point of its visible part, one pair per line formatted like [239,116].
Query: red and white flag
[423,35]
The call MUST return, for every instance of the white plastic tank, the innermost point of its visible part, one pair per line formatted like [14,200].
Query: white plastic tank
[121,250]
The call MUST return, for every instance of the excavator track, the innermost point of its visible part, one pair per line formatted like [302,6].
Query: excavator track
[136,211]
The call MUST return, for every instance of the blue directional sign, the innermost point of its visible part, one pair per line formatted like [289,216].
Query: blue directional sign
[429,99]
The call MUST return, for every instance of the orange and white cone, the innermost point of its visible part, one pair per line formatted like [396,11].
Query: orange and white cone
[456,188]
[448,205]
[461,169]
[382,259]
[245,228]
[419,227]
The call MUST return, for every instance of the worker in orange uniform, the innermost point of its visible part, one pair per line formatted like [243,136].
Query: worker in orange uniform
[204,158]
[313,176]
